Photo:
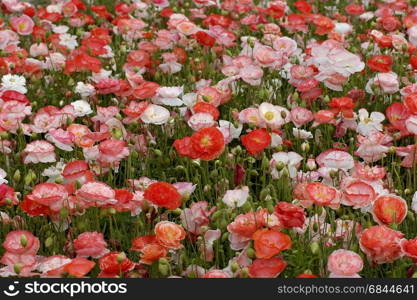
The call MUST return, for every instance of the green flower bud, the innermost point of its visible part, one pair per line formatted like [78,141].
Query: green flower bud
[49,242]
[250,252]
[23,240]
[121,257]
[314,247]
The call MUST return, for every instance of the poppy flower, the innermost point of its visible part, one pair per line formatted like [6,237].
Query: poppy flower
[268,243]
[380,63]
[389,209]
[216,274]
[321,194]
[342,105]
[169,234]
[256,141]
[115,263]
[79,267]
[90,244]
[409,248]
[267,268]
[204,107]
[164,195]
[381,244]
[290,215]
[205,39]
[208,143]
[397,113]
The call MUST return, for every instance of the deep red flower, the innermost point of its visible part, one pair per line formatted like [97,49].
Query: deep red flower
[343,105]
[205,39]
[303,6]
[290,215]
[163,194]
[114,263]
[380,63]
[208,143]
[256,140]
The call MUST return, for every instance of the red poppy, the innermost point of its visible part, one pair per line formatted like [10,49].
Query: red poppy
[114,263]
[320,193]
[324,25]
[256,140]
[139,58]
[413,61]
[389,209]
[410,102]
[208,143]
[290,215]
[267,268]
[397,113]
[79,61]
[205,39]
[343,105]
[163,194]
[409,248]
[215,19]
[268,243]
[303,6]
[354,9]
[79,267]
[147,89]
[380,63]
[204,107]
[10,95]
[185,148]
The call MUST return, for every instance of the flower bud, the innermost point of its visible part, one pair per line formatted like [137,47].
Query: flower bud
[23,240]
[17,176]
[311,164]
[250,252]
[314,247]
[121,257]
[305,147]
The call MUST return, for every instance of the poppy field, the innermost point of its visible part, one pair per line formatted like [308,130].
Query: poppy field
[208,138]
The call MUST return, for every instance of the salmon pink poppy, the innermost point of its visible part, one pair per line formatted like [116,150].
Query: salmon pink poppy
[52,195]
[409,248]
[216,274]
[169,234]
[358,194]
[321,194]
[21,242]
[79,267]
[267,268]
[344,263]
[389,209]
[90,244]
[381,244]
[268,243]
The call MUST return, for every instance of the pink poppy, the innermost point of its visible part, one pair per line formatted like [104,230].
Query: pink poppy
[90,244]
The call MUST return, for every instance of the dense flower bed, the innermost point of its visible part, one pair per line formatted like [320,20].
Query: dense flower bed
[204,138]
